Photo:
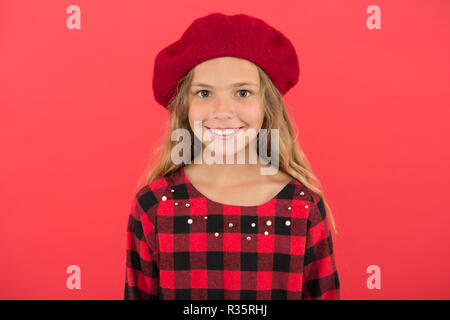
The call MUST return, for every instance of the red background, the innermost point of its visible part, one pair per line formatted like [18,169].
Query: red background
[78,121]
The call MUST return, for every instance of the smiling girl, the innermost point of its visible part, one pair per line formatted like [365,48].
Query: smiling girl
[227,230]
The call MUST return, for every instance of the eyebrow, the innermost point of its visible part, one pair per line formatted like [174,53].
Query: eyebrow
[238,84]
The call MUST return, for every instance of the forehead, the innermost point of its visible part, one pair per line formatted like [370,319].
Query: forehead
[219,71]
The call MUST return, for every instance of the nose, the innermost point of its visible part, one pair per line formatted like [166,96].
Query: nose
[222,108]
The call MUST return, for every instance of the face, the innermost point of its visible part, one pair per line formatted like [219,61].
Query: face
[225,105]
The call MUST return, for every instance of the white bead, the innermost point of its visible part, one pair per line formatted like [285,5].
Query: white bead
[266,232]
[171,190]
[287,223]
[206,217]
[230,224]
[253,224]
[189,221]
[216,234]
[187,205]
[249,238]
[302,193]
[306,206]
[269,223]
[176,203]
[289,208]
[164,198]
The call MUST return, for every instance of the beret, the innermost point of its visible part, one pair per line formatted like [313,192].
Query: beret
[220,35]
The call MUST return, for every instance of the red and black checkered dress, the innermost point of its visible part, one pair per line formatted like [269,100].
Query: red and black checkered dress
[182,245]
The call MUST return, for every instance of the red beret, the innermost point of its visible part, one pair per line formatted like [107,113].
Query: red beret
[219,35]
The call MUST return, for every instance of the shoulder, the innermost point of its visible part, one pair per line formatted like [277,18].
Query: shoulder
[150,195]
[316,212]
[310,203]
[301,192]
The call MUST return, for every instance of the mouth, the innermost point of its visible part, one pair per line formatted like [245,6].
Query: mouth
[225,133]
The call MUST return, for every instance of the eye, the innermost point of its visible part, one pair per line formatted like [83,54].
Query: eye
[245,91]
[201,96]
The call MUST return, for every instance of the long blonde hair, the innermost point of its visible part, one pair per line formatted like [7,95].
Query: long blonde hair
[292,160]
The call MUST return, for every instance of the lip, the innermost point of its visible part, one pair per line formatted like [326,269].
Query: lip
[225,137]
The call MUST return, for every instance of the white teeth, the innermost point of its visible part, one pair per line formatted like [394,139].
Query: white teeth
[225,132]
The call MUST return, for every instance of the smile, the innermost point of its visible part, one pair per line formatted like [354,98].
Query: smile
[225,133]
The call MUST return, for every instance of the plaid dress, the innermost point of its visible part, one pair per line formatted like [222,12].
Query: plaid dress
[182,245]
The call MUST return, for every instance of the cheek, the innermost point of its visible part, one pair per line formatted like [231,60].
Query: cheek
[196,114]
[253,115]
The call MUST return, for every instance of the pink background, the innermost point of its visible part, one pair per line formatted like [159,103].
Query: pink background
[78,121]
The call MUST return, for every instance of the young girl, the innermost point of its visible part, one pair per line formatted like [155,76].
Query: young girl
[210,230]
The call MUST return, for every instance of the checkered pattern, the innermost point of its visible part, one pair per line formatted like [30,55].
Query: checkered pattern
[227,252]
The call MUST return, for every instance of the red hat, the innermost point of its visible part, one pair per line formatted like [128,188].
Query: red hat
[219,35]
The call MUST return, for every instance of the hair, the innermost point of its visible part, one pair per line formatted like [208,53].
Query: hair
[292,159]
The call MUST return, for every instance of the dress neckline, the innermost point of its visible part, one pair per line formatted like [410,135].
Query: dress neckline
[292,181]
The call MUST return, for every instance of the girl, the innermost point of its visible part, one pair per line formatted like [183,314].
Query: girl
[219,230]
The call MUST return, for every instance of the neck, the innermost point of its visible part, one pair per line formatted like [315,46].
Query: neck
[228,174]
